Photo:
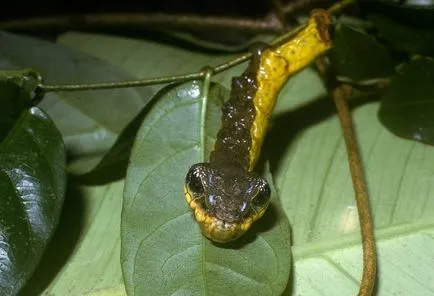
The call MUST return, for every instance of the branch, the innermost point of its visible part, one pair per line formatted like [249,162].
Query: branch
[163,21]
[154,21]
[341,93]
[293,6]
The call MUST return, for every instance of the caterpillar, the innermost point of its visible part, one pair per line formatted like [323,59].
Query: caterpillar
[225,195]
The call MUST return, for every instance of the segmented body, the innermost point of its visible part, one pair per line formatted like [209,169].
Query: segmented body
[254,94]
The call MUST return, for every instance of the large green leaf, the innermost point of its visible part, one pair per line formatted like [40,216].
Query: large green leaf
[170,255]
[407,106]
[310,168]
[32,185]
[358,56]
[316,193]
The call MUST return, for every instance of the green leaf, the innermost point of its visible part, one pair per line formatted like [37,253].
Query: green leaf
[407,106]
[358,56]
[310,168]
[404,37]
[13,100]
[32,184]
[89,121]
[170,255]
[113,166]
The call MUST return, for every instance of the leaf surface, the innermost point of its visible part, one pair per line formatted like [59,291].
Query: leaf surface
[316,193]
[32,185]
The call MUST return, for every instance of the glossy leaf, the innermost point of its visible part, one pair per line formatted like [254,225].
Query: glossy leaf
[404,37]
[32,185]
[358,56]
[170,255]
[407,107]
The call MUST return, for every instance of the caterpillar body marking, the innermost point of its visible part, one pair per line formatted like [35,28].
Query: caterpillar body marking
[225,194]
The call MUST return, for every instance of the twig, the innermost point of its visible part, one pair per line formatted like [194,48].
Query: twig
[340,93]
[154,21]
[43,88]
[278,14]
[159,20]
[339,6]
[293,6]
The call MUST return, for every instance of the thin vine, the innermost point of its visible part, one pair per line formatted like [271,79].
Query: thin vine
[269,25]
[341,93]
[44,88]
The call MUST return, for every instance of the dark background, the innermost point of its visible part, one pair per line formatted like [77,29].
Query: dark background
[19,9]
[413,12]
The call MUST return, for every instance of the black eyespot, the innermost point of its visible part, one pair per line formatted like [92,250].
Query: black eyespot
[193,180]
[262,198]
